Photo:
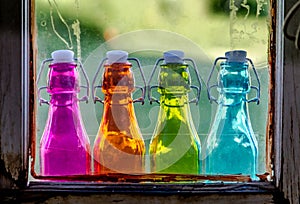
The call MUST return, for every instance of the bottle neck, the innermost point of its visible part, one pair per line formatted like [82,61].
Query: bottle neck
[232,99]
[174,106]
[119,116]
[118,99]
[63,99]
[118,84]
[118,79]
[174,80]
[234,79]
[233,107]
[233,84]
[174,86]
[63,84]
[172,100]
[63,81]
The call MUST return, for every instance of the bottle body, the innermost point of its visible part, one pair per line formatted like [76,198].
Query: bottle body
[119,146]
[231,146]
[175,145]
[64,147]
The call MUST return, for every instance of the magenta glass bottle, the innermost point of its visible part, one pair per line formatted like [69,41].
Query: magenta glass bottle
[64,147]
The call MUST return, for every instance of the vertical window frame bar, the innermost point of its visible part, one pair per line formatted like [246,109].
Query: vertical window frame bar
[25,62]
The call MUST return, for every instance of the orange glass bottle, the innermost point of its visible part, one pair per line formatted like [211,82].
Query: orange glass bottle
[119,146]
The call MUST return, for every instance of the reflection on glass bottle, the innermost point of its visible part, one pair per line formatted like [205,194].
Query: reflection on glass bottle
[231,146]
[64,147]
[119,145]
[175,145]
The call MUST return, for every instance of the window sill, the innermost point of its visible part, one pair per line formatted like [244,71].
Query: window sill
[87,192]
[152,188]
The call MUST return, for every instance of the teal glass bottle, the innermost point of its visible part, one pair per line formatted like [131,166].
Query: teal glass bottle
[175,145]
[231,146]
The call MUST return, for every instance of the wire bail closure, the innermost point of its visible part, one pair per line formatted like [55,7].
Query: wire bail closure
[97,98]
[42,100]
[209,87]
[198,89]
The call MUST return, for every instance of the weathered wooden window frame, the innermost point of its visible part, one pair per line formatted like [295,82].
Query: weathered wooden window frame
[16,124]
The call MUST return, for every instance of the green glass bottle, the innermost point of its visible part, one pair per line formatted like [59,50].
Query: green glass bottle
[175,145]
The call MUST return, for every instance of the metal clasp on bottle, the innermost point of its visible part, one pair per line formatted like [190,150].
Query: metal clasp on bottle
[142,88]
[256,88]
[42,67]
[198,89]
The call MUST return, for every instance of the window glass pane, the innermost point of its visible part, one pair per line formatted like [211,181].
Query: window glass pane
[204,30]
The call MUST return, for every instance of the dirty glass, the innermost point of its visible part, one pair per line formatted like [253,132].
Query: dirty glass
[204,30]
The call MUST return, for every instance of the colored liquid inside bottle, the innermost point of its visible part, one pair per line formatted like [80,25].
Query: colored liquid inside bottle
[64,147]
[119,146]
[175,146]
[231,146]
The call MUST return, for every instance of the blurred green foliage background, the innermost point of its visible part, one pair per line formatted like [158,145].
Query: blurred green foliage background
[223,7]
